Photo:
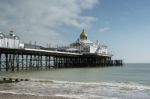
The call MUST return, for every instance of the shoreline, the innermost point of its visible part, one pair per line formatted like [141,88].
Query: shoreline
[29,96]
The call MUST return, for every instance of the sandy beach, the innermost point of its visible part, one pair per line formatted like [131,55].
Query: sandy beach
[25,96]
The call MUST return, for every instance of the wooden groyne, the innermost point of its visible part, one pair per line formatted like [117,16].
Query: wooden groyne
[29,59]
[11,80]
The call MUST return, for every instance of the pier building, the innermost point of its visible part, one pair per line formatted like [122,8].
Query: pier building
[9,40]
[85,46]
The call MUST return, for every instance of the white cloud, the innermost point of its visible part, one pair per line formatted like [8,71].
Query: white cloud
[41,19]
[104,29]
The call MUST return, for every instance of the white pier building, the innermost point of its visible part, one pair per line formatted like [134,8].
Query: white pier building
[85,46]
[9,40]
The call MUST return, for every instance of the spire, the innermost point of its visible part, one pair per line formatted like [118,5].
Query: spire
[83,35]
[83,30]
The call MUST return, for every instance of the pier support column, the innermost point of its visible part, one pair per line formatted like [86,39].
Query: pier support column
[49,61]
[22,62]
[13,61]
[30,63]
[55,62]
[46,61]
[6,62]
[17,61]
[41,65]
[0,62]
[26,61]
[36,61]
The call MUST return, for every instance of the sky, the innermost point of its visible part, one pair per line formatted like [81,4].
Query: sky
[123,25]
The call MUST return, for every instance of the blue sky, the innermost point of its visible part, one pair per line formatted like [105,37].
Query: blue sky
[123,25]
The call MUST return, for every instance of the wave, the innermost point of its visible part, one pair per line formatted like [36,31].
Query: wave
[82,90]
[120,85]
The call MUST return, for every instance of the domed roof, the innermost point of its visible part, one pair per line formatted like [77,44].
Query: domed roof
[83,35]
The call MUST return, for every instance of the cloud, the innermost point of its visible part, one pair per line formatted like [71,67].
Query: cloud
[41,19]
[104,29]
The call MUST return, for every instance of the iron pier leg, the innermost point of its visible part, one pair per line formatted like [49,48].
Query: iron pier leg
[0,62]
[46,59]
[26,62]
[41,61]
[22,62]
[6,57]
[17,62]
[13,61]
[49,59]
[30,64]
[38,62]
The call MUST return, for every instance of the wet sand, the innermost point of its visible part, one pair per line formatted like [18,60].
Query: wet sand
[24,96]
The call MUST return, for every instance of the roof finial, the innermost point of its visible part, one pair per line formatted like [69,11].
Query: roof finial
[83,30]
[11,31]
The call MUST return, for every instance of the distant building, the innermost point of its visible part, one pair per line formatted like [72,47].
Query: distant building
[85,46]
[9,40]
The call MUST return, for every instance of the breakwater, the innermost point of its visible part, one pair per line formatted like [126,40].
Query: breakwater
[11,80]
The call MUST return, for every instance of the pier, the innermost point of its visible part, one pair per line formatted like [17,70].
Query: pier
[16,56]
[12,59]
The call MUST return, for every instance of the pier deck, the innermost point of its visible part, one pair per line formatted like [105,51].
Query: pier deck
[28,59]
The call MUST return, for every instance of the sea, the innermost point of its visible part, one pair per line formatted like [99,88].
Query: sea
[130,81]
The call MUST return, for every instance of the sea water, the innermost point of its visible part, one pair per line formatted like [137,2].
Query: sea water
[131,81]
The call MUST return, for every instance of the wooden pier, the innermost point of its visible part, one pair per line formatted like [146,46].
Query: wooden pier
[33,59]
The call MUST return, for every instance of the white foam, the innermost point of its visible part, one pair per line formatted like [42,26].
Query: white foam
[121,85]
[81,90]
[63,95]
[85,96]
